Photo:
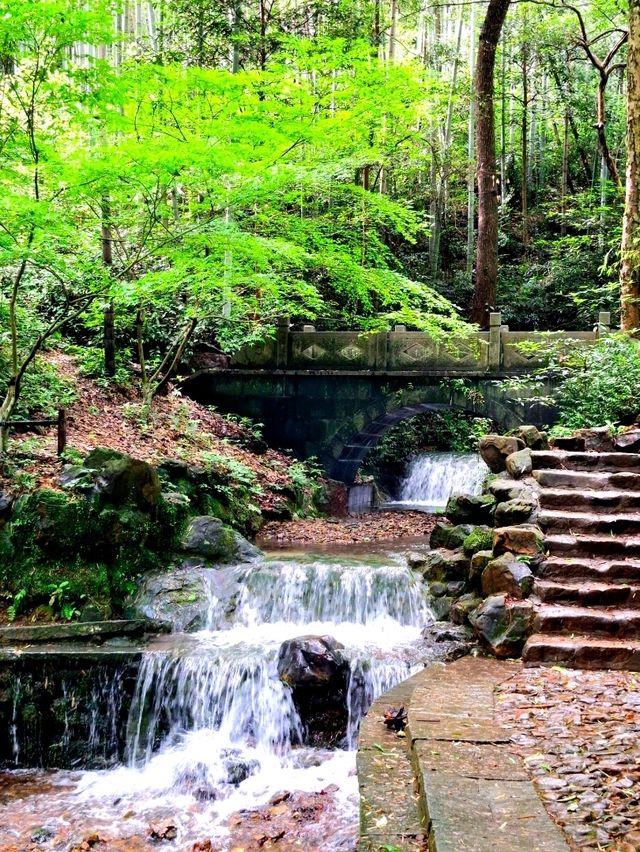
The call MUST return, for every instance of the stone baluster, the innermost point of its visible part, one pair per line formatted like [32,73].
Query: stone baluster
[282,343]
[495,340]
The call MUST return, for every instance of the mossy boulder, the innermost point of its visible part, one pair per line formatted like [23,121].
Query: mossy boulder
[460,609]
[449,536]
[207,536]
[117,478]
[521,510]
[479,562]
[470,508]
[443,566]
[481,538]
[532,437]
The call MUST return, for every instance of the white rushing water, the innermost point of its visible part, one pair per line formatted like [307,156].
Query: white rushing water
[433,477]
[212,730]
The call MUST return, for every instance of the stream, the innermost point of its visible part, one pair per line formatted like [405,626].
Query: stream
[215,748]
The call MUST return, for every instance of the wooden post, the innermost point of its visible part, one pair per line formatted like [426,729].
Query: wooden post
[62,431]
[109,342]
[495,340]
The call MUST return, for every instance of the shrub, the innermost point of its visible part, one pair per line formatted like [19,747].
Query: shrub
[600,384]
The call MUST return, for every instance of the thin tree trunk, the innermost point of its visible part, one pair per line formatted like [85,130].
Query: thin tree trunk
[565,175]
[524,152]
[487,243]
[471,199]
[630,267]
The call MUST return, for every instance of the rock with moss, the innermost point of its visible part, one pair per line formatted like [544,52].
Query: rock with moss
[449,536]
[117,478]
[443,566]
[507,574]
[190,596]
[532,437]
[470,508]
[207,536]
[441,607]
[521,510]
[481,538]
[503,625]
[479,562]
[460,609]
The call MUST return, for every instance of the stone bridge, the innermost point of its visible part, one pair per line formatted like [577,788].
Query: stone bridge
[333,394]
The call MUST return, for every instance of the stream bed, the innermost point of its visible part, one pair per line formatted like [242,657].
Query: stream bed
[215,755]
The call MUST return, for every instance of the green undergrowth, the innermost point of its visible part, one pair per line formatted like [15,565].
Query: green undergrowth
[64,551]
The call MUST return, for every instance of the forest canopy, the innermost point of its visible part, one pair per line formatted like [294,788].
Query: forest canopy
[192,171]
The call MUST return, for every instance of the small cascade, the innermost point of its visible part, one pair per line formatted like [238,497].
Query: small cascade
[211,729]
[433,477]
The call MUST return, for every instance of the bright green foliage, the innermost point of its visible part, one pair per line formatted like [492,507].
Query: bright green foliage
[600,384]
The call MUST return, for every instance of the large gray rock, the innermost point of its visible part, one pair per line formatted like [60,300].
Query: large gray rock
[519,464]
[443,565]
[207,536]
[190,596]
[521,510]
[318,675]
[503,626]
[470,508]
[494,450]
[507,574]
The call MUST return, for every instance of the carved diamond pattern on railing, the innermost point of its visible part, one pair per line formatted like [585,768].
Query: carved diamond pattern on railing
[313,352]
[415,352]
[350,352]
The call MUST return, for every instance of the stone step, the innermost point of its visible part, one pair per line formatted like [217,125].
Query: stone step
[568,570]
[587,593]
[593,546]
[585,480]
[598,502]
[612,622]
[554,459]
[582,652]
[586,522]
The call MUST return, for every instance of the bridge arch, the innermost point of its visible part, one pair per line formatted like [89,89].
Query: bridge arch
[338,417]
[362,431]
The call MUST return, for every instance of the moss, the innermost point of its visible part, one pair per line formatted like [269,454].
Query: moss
[480,539]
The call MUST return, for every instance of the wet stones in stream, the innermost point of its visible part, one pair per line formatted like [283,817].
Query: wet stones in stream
[318,675]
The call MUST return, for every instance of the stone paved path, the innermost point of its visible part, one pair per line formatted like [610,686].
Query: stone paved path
[467,790]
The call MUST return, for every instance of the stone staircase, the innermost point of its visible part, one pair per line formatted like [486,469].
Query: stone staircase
[588,585]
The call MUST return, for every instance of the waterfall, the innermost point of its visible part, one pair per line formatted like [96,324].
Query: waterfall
[433,477]
[211,731]
[225,678]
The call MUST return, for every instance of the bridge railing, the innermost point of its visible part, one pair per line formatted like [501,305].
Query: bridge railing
[498,350]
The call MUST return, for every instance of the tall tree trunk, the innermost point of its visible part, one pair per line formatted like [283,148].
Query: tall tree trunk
[630,268]
[524,153]
[471,198]
[487,243]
